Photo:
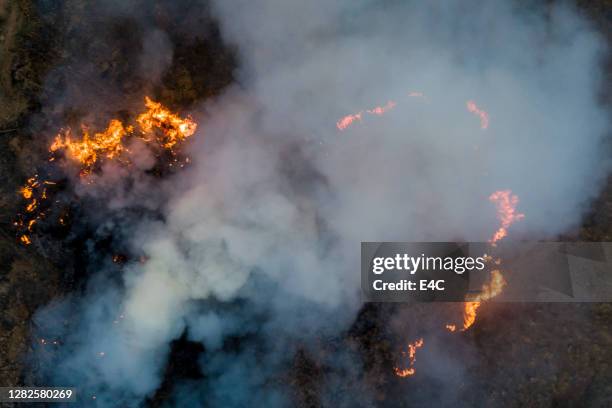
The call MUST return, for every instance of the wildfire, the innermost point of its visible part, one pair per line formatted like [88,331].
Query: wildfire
[109,144]
[348,120]
[484,116]
[411,355]
[26,191]
[489,291]
[174,129]
[506,203]
[86,151]
[159,126]
[381,110]
[33,192]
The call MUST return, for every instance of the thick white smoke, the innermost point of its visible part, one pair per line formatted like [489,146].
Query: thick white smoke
[261,237]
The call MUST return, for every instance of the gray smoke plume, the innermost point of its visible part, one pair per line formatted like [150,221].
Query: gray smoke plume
[260,238]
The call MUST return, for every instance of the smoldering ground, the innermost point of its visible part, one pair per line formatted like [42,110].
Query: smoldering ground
[255,253]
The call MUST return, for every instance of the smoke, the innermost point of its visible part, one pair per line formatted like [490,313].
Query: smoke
[156,56]
[260,238]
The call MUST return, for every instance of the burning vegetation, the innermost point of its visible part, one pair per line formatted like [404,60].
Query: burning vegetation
[505,203]
[484,116]
[506,211]
[160,128]
[345,122]
[410,356]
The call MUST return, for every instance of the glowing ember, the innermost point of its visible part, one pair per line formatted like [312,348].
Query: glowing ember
[411,355]
[484,116]
[32,205]
[506,203]
[381,110]
[26,192]
[348,120]
[451,327]
[34,192]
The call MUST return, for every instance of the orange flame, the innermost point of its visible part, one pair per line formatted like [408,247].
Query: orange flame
[469,314]
[347,121]
[411,355]
[33,192]
[108,143]
[506,203]
[484,116]
[489,291]
[174,128]
[167,127]
[381,110]
[26,192]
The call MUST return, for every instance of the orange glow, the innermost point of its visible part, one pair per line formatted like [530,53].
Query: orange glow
[506,203]
[86,151]
[33,193]
[158,125]
[347,121]
[32,205]
[469,314]
[381,110]
[109,144]
[411,356]
[451,327]
[489,291]
[174,129]
[26,192]
[484,116]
